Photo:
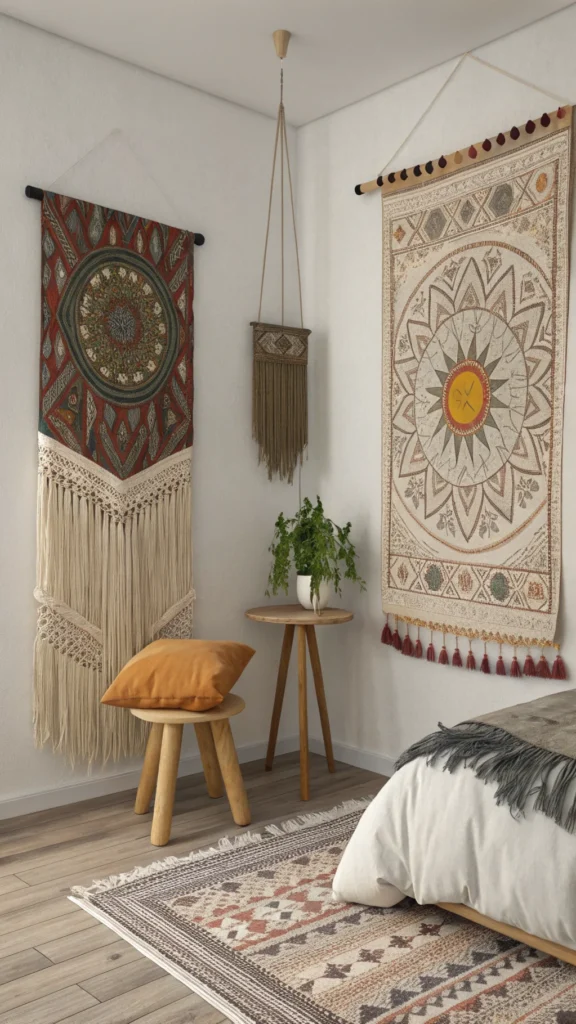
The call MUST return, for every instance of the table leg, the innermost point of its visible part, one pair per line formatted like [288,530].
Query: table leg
[303,715]
[147,783]
[279,696]
[166,788]
[228,760]
[320,695]
[209,757]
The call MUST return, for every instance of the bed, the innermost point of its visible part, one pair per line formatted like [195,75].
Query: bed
[449,838]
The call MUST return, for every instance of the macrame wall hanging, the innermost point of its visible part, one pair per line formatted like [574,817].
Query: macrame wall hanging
[280,399]
[115,454]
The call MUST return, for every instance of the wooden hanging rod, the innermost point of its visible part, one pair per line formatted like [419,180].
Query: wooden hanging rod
[397,181]
[32,192]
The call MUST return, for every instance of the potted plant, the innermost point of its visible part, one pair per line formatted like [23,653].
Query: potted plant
[321,551]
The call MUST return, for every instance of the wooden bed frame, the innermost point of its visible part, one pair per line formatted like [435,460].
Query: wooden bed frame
[551,948]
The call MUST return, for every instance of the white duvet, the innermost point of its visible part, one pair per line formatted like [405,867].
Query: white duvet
[441,838]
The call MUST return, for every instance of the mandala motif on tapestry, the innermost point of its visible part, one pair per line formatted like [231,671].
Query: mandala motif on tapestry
[115,444]
[475,305]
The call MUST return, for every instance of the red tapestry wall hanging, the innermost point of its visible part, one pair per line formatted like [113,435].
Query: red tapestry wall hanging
[115,447]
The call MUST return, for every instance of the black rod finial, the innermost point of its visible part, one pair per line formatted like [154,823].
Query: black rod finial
[199,238]
[358,190]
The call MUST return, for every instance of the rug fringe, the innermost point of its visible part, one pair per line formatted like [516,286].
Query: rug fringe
[225,845]
[317,817]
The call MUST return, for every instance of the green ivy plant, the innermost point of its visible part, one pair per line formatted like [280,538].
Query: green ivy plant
[317,547]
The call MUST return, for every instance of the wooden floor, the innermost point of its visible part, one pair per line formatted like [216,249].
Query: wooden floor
[56,962]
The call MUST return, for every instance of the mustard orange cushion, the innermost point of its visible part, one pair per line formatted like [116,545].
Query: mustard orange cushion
[194,675]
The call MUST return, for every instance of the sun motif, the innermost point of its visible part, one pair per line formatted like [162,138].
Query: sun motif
[472,398]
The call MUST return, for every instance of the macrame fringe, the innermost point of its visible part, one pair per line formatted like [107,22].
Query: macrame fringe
[543,668]
[386,637]
[559,668]
[280,414]
[416,650]
[227,844]
[107,584]
[520,770]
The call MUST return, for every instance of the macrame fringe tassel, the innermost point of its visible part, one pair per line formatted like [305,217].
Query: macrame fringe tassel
[280,414]
[416,650]
[106,585]
[396,641]
[529,666]
[543,668]
[558,668]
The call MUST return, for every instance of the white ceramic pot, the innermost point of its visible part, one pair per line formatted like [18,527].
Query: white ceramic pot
[303,591]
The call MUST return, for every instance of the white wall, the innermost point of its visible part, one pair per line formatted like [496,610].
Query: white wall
[109,132]
[379,701]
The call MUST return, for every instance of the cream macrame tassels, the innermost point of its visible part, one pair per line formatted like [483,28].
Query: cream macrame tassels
[114,573]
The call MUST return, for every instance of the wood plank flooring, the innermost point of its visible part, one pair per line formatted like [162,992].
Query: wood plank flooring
[58,964]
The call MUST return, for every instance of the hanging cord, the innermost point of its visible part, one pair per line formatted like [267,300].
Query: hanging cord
[455,69]
[282,136]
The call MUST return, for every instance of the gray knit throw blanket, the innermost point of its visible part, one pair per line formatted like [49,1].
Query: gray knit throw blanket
[528,750]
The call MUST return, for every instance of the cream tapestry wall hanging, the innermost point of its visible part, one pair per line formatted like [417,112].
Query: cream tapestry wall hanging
[475,294]
[115,446]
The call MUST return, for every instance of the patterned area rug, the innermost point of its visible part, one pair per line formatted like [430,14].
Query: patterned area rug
[252,927]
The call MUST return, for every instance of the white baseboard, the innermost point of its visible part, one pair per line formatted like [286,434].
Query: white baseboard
[370,760]
[90,788]
[48,798]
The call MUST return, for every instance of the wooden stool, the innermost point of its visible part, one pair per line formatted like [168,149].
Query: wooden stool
[219,760]
[293,616]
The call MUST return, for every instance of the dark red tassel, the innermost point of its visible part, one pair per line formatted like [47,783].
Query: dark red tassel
[500,666]
[386,637]
[407,647]
[443,656]
[515,668]
[457,657]
[545,120]
[543,668]
[559,668]
[430,653]
[530,126]
[560,113]
[418,648]
[472,152]
[500,139]
[485,664]
[529,666]
[396,641]
[470,660]
[514,133]
[486,145]
[442,161]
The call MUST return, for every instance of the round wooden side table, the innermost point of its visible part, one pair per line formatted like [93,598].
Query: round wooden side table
[293,616]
